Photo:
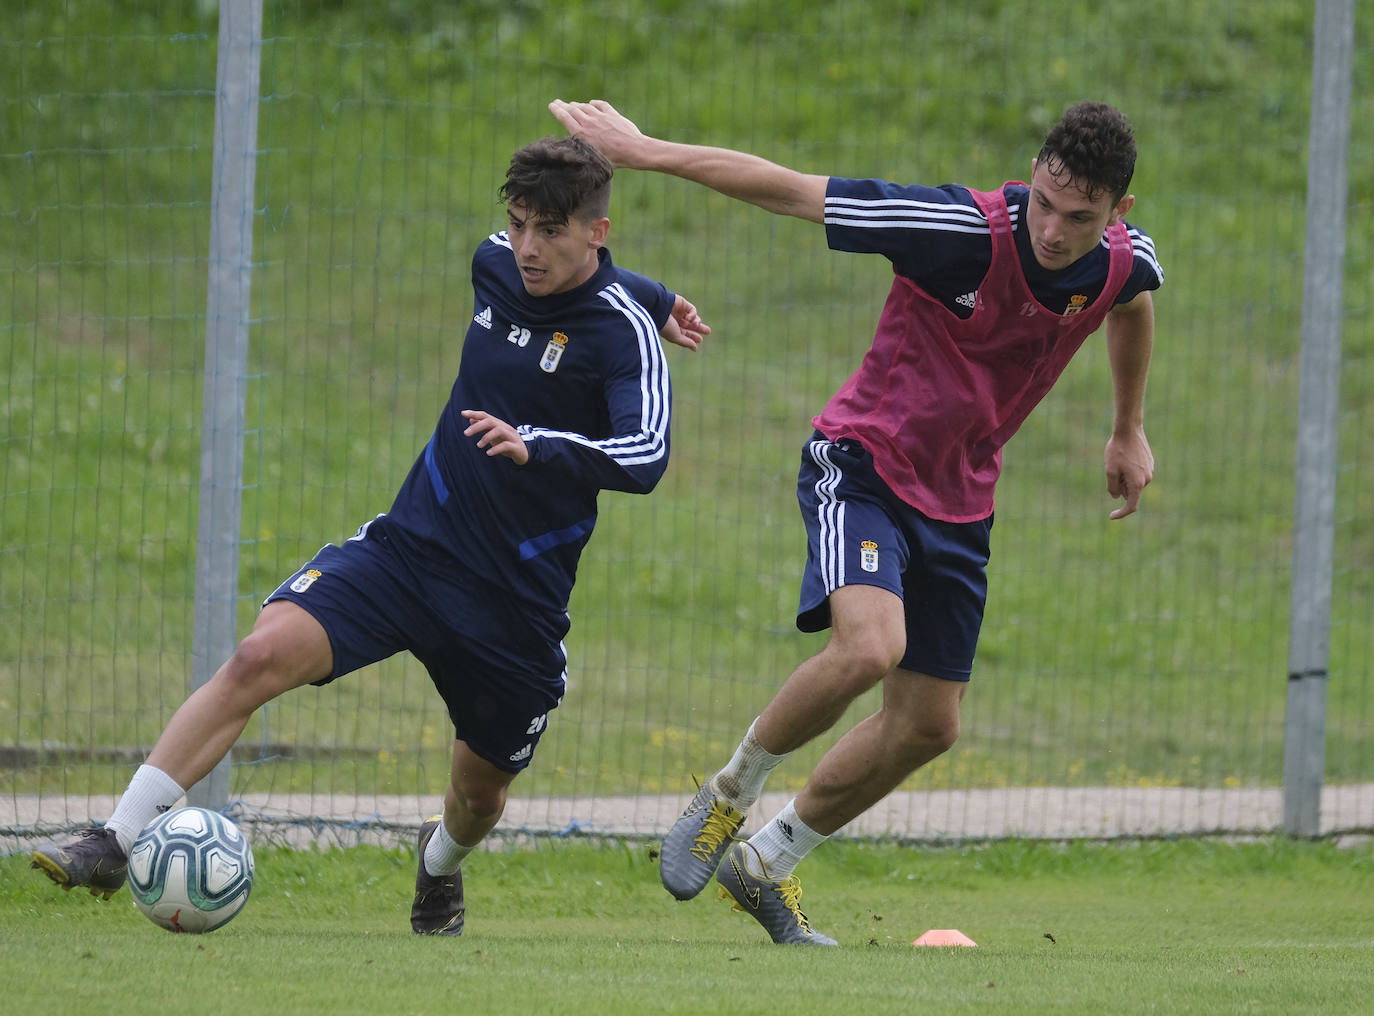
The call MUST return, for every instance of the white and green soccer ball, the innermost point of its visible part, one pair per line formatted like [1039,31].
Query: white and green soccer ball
[191,870]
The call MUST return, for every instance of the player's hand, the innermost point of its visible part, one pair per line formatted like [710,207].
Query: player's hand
[600,123]
[685,328]
[1130,467]
[497,436]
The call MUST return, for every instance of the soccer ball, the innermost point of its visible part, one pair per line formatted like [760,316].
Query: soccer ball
[190,870]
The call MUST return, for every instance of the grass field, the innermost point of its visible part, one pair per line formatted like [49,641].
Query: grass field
[1157,927]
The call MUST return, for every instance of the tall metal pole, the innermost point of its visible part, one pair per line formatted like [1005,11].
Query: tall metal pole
[227,314]
[1309,646]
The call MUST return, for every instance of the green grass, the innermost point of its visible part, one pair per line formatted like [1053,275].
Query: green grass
[1184,927]
[1147,652]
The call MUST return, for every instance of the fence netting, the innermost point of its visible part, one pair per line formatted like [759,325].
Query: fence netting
[1131,676]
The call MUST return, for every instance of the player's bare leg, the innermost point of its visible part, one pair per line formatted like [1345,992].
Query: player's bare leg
[286,648]
[918,721]
[473,804]
[867,638]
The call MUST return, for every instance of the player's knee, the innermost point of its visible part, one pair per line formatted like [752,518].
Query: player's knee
[864,664]
[251,673]
[932,736]
[484,803]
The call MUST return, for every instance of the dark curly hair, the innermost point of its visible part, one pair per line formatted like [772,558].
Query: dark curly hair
[1094,144]
[558,179]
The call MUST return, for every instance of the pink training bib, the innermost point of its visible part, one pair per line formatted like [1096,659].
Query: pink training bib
[937,397]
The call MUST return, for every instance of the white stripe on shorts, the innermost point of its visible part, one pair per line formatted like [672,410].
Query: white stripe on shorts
[830,516]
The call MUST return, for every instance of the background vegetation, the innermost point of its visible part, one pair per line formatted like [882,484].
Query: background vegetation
[1151,651]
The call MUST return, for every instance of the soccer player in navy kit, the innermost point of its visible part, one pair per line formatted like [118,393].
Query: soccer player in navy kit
[992,295]
[562,391]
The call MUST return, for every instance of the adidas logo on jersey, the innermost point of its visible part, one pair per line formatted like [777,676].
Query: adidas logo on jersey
[523,753]
[969,300]
[484,319]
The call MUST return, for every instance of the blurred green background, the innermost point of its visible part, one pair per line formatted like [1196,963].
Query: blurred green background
[1147,652]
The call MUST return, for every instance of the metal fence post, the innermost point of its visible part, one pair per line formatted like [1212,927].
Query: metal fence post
[1319,392]
[227,313]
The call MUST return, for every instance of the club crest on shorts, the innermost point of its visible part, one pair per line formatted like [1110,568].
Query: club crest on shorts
[868,556]
[305,581]
[553,352]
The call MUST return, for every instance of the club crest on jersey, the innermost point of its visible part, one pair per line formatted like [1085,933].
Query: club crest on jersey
[553,352]
[868,556]
[1076,303]
[305,581]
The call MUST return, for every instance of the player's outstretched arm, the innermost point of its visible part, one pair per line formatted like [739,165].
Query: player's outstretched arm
[1129,462]
[735,174]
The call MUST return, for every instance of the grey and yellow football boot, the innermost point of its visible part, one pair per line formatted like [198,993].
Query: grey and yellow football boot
[774,904]
[693,848]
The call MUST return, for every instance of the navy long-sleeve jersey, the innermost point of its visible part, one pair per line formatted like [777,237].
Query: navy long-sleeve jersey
[582,375]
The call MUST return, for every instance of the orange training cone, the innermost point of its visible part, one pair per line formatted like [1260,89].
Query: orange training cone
[944,936]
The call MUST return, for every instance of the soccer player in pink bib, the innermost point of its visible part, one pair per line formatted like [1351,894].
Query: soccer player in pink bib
[992,294]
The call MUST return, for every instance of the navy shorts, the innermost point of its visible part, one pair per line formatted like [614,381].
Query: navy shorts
[858,532]
[498,663]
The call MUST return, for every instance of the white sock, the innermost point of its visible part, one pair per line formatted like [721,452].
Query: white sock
[783,842]
[150,793]
[443,854]
[741,782]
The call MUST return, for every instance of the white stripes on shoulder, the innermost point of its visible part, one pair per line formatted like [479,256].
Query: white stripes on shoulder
[654,386]
[900,213]
[1143,249]
[650,442]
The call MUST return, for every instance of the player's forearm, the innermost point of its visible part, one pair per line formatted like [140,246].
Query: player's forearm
[1130,341]
[738,175]
[632,463]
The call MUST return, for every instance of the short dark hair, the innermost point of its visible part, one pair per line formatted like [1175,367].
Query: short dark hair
[1094,144]
[558,179]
